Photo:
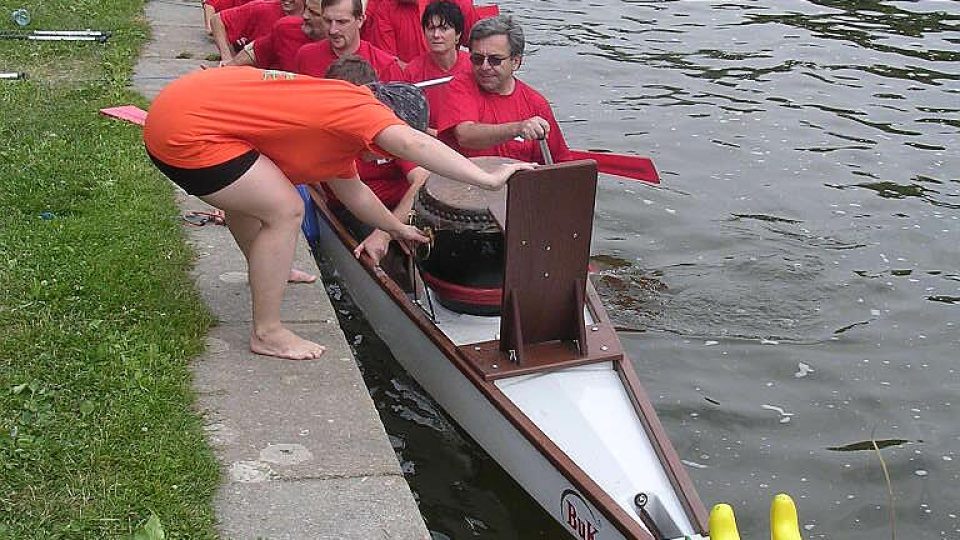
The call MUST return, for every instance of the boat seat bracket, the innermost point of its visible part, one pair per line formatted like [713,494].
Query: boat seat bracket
[549,212]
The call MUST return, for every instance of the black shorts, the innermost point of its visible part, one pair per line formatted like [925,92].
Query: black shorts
[207,180]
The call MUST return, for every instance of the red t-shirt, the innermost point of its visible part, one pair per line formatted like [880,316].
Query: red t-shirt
[248,22]
[422,68]
[278,49]
[464,101]
[314,59]
[396,26]
[220,5]
[313,129]
[369,12]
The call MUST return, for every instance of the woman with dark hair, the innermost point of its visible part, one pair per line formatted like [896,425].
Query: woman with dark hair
[442,26]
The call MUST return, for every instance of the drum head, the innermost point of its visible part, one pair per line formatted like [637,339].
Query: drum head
[461,206]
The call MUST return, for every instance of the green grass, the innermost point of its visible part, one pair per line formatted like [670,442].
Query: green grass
[98,317]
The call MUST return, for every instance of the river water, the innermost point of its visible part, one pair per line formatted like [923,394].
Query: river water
[790,292]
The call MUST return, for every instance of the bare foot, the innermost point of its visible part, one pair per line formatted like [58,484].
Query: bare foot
[299,276]
[283,343]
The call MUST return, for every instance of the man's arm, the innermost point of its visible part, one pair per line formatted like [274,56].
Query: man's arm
[246,57]
[480,136]
[377,242]
[220,37]
[208,13]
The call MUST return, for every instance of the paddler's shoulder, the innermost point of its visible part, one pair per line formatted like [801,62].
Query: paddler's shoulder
[528,92]
[315,47]
[464,82]
[288,23]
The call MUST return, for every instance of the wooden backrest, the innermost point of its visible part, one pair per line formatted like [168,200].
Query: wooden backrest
[547,241]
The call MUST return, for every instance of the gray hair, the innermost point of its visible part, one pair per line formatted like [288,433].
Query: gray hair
[501,25]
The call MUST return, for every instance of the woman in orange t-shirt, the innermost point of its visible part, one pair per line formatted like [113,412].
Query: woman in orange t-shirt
[243,155]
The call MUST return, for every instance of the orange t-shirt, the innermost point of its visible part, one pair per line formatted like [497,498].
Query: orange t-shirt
[313,129]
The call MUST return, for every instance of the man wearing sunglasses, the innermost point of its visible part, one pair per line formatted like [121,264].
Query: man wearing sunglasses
[492,113]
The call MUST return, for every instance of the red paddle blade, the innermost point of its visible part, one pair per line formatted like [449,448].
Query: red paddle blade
[488,10]
[130,113]
[635,167]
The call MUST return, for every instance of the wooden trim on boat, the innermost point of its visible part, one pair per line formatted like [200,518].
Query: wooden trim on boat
[625,524]
[674,468]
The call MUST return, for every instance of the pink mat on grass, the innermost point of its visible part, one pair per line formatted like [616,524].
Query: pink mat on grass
[130,113]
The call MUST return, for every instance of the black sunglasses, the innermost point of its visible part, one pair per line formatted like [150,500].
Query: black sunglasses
[494,60]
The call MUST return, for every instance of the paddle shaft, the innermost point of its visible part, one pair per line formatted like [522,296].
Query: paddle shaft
[433,82]
[56,37]
[545,152]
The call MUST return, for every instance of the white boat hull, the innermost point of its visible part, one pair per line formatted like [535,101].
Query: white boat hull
[618,455]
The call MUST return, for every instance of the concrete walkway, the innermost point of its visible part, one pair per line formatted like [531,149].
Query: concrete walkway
[303,452]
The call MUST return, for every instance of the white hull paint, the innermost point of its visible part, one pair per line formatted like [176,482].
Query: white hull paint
[475,413]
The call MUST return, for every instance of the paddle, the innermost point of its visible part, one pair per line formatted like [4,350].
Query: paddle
[545,152]
[488,10]
[635,167]
[58,35]
[433,82]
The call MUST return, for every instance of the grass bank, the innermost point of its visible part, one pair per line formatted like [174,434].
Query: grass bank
[98,317]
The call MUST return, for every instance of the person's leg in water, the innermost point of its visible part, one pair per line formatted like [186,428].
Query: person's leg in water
[244,228]
[264,194]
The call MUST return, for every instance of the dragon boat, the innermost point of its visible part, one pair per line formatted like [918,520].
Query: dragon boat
[526,362]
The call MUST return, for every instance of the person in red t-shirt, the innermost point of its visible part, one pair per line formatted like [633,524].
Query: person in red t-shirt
[370,8]
[233,28]
[211,7]
[397,26]
[278,49]
[243,155]
[483,114]
[442,23]
[394,181]
[343,19]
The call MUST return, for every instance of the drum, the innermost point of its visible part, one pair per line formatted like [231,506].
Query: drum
[463,264]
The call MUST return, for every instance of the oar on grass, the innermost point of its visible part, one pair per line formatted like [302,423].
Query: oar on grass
[58,35]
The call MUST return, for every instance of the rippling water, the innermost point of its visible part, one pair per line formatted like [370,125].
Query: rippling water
[793,288]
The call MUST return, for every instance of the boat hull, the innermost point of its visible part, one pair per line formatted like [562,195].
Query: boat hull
[486,412]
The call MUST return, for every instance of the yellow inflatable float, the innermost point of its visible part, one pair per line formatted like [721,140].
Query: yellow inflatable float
[784,523]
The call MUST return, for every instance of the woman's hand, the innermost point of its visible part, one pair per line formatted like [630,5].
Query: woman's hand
[409,233]
[375,245]
[501,174]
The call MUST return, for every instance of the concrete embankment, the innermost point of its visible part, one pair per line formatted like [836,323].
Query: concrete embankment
[303,452]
